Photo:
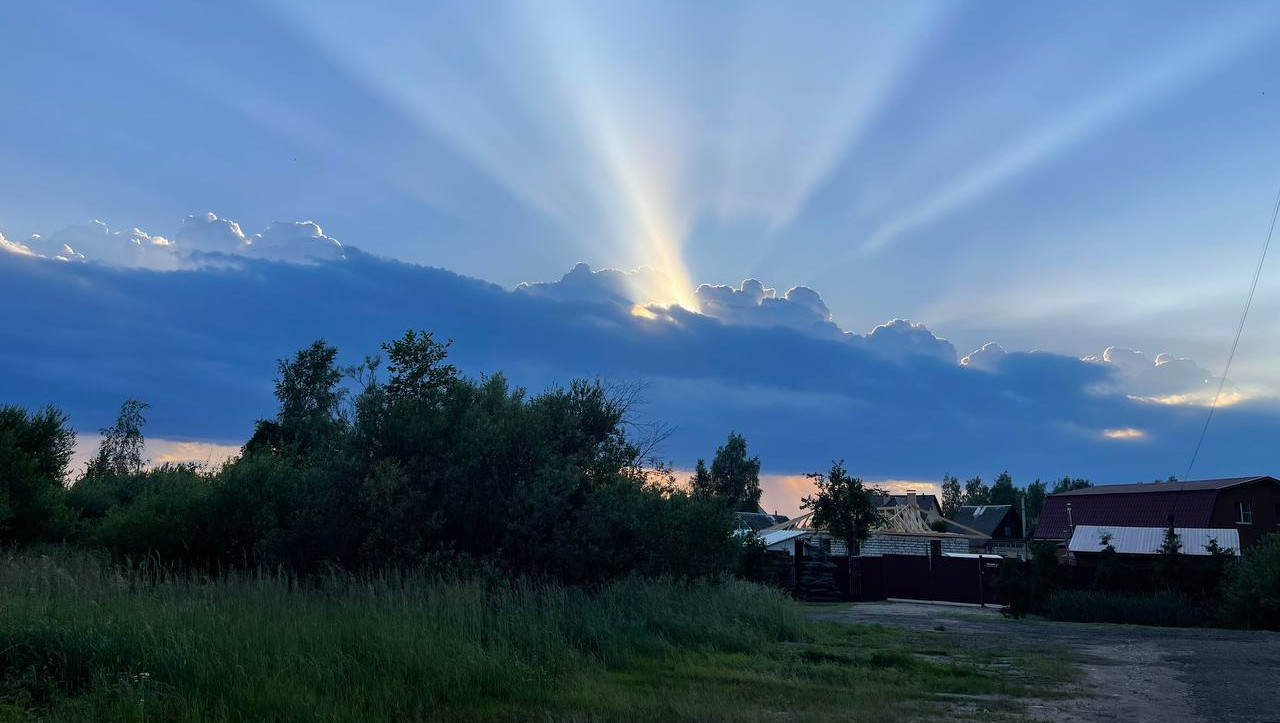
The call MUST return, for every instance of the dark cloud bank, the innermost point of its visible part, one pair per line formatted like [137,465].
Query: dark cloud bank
[199,341]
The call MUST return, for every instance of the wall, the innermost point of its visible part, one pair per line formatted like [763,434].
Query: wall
[1264,496]
[878,545]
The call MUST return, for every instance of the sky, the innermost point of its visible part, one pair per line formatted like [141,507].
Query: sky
[763,195]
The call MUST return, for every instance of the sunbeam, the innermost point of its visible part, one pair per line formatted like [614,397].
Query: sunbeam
[1183,62]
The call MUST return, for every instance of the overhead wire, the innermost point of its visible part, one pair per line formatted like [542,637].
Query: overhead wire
[1235,343]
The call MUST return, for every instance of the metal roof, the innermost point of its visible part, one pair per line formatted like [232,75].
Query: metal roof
[773,537]
[1147,540]
[1194,485]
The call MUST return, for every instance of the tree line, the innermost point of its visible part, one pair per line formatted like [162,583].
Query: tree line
[1003,492]
[397,461]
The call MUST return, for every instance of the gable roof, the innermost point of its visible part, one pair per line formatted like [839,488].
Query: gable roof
[1197,485]
[986,519]
[1190,504]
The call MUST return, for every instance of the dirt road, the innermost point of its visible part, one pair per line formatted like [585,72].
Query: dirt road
[1133,674]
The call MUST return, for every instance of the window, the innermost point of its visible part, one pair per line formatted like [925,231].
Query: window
[1278,514]
[1244,513]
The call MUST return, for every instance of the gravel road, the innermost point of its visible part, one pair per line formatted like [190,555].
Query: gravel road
[1133,674]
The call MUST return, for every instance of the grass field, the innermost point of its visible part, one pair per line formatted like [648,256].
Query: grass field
[84,641]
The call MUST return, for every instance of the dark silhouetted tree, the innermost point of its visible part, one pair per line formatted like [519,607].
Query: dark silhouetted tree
[415,363]
[1035,494]
[308,389]
[952,496]
[120,451]
[34,452]
[843,506]
[1068,484]
[735,476]
[976,492]
[1002,490]
[700,483]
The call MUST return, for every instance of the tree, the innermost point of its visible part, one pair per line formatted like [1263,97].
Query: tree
[700,483]
[1251,597]
[1002,490]
[1168,565]
[843,506]
[952,496]
[34,452]
[1067,484]
[976,492]
[735,476]
[309,393]
[415,362]
[1035,494]
[120,451]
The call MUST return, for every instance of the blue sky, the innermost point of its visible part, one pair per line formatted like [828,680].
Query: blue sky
[1064,178]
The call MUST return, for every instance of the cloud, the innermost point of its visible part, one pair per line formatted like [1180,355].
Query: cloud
[13,247]
[988,358]
[200,344]
[190,247]
[750,304]
[612,286]
[1165,378]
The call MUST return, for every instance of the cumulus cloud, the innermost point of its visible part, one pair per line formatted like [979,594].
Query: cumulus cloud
[750,304]
[612,286]
[196,238]
[988,358]
[1165,378]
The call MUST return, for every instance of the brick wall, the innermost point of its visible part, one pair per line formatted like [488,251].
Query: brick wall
[878,545]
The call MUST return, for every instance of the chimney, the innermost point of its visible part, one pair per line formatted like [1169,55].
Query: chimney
[911,498]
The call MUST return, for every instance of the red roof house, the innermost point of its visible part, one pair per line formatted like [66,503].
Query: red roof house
[1250,505]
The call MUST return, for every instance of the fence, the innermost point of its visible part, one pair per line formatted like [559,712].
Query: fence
[910,577]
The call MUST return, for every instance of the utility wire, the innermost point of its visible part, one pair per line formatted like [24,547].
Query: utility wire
[1248,302]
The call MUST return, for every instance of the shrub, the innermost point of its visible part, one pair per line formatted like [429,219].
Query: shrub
[34,451]
[1251,597]
[1164,609]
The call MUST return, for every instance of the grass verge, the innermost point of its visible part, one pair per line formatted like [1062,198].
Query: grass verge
[84,641]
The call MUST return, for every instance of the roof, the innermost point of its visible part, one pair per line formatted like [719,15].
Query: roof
[899,523]
[927,503]
[756,521]
[1145,487]
[1147,540]
[981,518]
[775,536]
[1189,504]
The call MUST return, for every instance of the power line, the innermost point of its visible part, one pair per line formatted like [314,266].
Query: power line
[1248,302]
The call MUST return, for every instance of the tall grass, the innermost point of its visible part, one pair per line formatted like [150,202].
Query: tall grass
[1165,609]
[81,639]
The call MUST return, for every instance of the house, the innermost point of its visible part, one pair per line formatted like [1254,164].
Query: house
[904,531]
[998,528]
[1249,506]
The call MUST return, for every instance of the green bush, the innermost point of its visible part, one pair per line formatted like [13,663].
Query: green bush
[1164,609]
[1251,596]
